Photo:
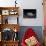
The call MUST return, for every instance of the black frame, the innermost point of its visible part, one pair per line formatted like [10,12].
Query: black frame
[26,11]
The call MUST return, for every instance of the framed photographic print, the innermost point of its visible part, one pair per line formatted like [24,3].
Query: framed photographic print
[29,13]
[5,12]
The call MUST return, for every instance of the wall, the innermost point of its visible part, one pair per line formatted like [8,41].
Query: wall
[31,4]
[36,29]
[27,4]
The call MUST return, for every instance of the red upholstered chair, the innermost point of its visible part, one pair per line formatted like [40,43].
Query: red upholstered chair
[29,33]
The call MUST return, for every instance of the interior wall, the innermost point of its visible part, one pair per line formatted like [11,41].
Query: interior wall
[27,4]
[36,29]
[31,4]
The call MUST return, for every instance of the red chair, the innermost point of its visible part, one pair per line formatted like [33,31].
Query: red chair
[29,33]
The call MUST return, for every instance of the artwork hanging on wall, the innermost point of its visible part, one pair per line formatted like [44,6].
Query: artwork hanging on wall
[29,13]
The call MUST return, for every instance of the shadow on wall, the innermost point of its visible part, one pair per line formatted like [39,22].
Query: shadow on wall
[37,29]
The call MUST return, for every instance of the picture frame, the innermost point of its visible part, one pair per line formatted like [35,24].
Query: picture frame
[13,12]
[29,13]
[5,12]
